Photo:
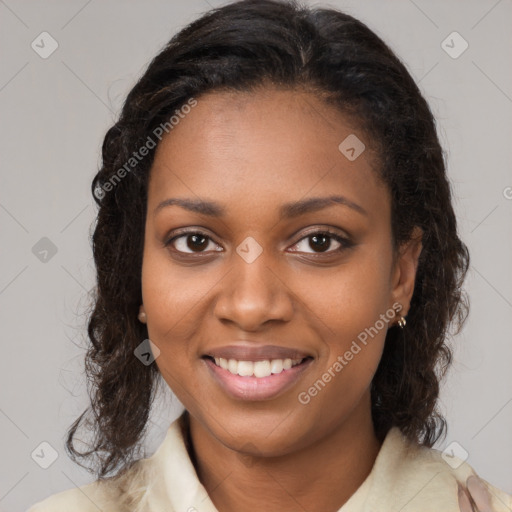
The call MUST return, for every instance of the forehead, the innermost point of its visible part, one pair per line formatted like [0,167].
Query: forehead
[262,147]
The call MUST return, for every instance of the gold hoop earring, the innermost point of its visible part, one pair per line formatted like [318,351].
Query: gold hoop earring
[401,322]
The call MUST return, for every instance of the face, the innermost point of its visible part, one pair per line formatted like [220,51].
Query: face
[246,259]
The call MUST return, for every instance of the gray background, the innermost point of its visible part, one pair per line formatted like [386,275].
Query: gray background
[54,114]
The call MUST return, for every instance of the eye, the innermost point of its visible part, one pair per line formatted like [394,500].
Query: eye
[319,242]
[191,242]
[322,242]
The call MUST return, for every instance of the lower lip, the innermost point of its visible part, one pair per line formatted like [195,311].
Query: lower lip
[257,388]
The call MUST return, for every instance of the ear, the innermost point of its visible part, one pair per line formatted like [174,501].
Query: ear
[142,314]
[404,271]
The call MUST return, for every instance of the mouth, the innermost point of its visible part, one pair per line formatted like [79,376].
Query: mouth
[256,380]
[257,369]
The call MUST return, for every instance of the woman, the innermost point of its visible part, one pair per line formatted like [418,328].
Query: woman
[275,216]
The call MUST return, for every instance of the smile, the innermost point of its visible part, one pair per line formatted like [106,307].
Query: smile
[257,369]
[256,380]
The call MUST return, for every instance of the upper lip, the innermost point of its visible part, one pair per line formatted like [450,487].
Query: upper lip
[256,352]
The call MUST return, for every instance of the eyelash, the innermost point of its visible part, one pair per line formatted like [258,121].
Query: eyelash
[344,242]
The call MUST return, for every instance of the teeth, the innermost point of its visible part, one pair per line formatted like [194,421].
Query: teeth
[276,365]
[256,368]
[262,369]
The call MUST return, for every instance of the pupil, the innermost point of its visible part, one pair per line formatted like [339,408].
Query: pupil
[322,242]
[198,242]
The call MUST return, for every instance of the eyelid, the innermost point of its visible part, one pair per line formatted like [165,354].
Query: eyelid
[343,239]
[323,229]
[169,239]
[192,230]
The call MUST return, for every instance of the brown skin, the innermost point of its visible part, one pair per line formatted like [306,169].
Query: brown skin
[252,153]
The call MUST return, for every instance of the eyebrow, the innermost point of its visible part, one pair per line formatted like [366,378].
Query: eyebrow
[286,211]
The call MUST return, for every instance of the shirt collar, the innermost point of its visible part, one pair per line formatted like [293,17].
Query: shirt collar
[174,483]
[403,472]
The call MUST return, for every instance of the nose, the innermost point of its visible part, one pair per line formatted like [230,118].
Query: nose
[253,294]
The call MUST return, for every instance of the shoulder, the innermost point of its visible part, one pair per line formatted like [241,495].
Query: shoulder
[82,499]
[163,481]
[421,478]
[123,493]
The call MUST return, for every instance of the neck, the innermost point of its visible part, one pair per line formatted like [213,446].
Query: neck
[322,476]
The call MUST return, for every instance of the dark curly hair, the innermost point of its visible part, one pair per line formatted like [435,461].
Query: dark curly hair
[244,46]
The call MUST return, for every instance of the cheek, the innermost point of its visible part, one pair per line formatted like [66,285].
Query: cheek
[351,297]
[352,306]
[174,300]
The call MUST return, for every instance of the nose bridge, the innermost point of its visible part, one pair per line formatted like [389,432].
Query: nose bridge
[252,293]
[253,279]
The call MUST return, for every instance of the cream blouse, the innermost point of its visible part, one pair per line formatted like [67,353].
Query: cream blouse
[405,477]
